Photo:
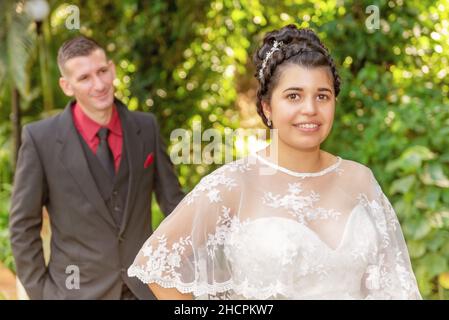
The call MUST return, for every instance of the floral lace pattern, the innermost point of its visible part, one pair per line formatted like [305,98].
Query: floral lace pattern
[209,186]
[387,279]
[212,184]
[162,262]
[225,225]
[216,245]
[300,206]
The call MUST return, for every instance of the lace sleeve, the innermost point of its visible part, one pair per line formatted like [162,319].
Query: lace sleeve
[390,274]
[186,250]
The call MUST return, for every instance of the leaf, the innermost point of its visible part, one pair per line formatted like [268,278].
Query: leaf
[434,175]
[437,241]
[445,196]
[411,159]
[20,45]
[432,198]
[416,248]
[444,157]
[402,185]
[424,279]
[435,264]
[443,280]
[237,15]
[5,9]
[416,228]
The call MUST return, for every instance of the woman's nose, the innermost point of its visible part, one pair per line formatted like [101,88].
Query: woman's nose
[309,107]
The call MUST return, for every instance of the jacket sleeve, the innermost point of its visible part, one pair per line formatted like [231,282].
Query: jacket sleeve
[167,187]
[27,201]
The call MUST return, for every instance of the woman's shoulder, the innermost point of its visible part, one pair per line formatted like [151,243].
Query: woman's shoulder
[355,168]
[355,165]
[235,168]
[358,178]
[222,185]
[229,174]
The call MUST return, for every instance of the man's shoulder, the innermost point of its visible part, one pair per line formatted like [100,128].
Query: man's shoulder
[143,116]
[44,126]
[145,120]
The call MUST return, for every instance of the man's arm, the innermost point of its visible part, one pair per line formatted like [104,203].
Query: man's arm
[25,222]
[169,293]
[167,187]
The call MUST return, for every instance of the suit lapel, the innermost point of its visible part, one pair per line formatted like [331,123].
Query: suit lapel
[135,154]
[72,157]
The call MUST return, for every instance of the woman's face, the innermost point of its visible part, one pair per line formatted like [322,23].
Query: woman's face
[302,106]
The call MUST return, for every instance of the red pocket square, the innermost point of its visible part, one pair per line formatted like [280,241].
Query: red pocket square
[149,160]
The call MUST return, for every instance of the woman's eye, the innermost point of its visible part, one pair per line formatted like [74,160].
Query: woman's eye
[323,97]
[293,96]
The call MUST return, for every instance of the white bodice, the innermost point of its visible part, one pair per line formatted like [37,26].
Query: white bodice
[292,260]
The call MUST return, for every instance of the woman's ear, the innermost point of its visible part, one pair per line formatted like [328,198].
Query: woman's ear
[266,109]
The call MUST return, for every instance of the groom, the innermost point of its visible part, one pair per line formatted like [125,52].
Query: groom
[94,167]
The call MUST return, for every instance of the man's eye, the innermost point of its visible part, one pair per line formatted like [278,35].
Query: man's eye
[103,70]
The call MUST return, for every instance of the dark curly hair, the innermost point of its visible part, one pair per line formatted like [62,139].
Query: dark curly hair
[299,46]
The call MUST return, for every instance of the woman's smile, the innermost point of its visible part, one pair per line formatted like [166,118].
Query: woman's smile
[308,127]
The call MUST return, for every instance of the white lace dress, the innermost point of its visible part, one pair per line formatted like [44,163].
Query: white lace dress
[254,230]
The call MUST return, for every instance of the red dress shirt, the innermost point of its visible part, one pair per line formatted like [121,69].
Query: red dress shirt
[88,129]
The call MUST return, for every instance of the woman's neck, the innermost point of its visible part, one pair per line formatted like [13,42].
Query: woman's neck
[298,160]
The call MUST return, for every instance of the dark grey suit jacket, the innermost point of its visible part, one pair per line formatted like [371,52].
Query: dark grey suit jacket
[52,171]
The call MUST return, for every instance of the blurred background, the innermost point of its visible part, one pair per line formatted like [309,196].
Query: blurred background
[190,60]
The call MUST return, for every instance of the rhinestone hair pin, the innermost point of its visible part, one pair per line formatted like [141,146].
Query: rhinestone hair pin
[276,47]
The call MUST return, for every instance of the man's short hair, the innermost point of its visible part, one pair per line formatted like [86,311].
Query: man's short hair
[77,47]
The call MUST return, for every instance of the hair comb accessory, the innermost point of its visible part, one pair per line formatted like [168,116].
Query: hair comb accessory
[276,47]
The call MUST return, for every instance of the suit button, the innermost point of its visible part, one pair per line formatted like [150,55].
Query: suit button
[114,192]
[117,208]
[123,270]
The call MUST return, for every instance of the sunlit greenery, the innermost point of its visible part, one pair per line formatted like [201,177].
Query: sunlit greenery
[189,61]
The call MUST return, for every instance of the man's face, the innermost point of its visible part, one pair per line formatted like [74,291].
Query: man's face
[90,80]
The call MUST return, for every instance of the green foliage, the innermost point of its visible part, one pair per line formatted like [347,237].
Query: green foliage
[17,46]
[191,60]
[5,247]
[5,192]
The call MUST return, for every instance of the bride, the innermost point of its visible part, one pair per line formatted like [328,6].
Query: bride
[289,222]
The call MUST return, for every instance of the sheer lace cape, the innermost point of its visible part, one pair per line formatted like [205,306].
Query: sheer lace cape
[254,230]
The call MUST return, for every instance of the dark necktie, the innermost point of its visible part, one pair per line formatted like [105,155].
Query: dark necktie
[104,153]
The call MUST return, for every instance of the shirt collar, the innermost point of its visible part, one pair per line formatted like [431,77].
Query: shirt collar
[90,127]
[114,124]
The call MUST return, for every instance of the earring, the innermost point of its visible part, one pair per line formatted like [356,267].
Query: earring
[269,122]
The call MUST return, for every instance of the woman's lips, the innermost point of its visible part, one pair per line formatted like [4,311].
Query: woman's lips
[307,127]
